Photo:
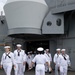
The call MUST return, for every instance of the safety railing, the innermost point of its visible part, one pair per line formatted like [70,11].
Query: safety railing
[60,3]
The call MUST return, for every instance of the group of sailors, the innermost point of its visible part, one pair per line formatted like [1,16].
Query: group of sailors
[43,60]
[61,61]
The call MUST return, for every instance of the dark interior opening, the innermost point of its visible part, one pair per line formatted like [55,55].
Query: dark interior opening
[33,45]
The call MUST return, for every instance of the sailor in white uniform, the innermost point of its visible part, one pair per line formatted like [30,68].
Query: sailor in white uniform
[7,60]
[56,61]
[49,58]
[40,61]
[64,63]
[24,65]
[29,59]
[19,56]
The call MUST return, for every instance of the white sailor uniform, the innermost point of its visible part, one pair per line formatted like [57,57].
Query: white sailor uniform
[24,66]
[40,60]
[56,59]
[7,62]
[29,60]
[19,59]
[49,58]
[64,63]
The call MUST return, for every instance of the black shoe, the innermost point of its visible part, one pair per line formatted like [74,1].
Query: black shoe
[50,72]
[45,71]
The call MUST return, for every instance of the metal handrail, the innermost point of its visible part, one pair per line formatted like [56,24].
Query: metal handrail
[60,3]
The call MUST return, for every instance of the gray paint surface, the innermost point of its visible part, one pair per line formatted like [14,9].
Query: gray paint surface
[63,9]
[3,28]
[58,6]
[67,41]
[52,46]
[25,15]
[54,28]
